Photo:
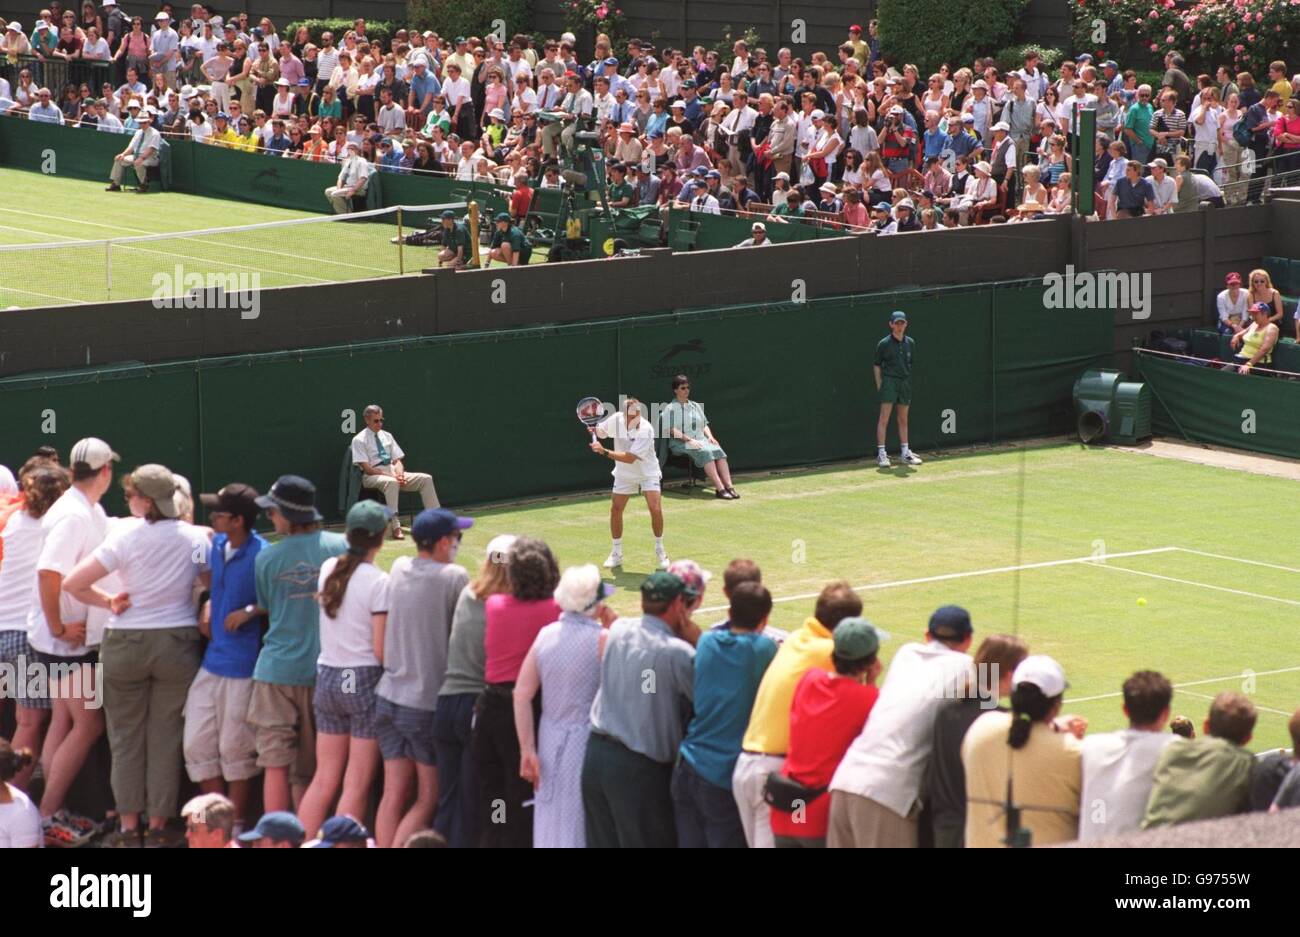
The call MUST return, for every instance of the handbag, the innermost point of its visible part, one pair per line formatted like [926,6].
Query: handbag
[786,794]
[819,167]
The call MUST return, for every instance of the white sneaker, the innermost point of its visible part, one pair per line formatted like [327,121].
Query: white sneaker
[911,458]
[882,460]
[664,562]
[615,558]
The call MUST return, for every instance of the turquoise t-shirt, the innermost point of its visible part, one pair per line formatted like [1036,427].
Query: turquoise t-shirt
[287,573]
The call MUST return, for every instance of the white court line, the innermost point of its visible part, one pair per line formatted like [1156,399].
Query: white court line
[14,289]
[1267,709]
[1179,686]
[1237,559]
[1095,559]
[93,224]
[1200,585]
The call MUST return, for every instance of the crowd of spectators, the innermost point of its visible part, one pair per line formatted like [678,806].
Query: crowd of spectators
[507,705]
[846,137]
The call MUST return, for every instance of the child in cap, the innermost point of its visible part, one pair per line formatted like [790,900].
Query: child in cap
[353,597]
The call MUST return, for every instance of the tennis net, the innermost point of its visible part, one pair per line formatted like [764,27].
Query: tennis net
[296,252]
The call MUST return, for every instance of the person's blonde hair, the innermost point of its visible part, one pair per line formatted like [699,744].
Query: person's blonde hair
[492,578]
[1268,281]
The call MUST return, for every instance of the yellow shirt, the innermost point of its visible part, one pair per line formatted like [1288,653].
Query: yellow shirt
[1282,87]
[1045,773]
[227,137]
[248,144]
[1251,342]
[769,721]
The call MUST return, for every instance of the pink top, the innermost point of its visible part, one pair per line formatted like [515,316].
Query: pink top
[512,625]
[493,97]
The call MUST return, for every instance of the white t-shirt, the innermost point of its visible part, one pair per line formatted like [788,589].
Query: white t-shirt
[347,640]
[71,530]
[639,441]
[158,564]
[22,545]
[1118,772]
[455,90]
[1206,134]
[20,822]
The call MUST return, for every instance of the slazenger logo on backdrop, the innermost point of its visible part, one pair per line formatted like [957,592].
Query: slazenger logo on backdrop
[682,358]
[268,180]
[102,890]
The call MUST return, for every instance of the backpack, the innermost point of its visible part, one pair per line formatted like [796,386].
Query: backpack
[1241,133]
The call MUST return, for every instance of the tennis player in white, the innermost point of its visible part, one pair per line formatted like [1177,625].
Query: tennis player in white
[636,469]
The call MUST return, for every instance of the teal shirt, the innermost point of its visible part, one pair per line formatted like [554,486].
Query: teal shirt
[287,573]
[1138,119]
[895,358]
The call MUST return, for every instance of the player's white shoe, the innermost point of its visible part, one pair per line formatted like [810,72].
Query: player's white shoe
[882,460]
[615,558]
[911,458]
[663,559]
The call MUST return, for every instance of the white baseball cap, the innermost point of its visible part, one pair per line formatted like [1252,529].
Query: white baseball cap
[1001,125]
[758,226]
[497,113]
[1043,672]
[15,26]
[162,16]
[94,452]
[818,115]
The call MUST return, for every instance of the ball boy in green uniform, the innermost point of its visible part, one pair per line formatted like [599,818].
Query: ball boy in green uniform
[893,370]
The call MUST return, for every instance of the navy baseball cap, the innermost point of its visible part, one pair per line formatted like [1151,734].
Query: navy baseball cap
[341,830]
[432,524]
[951,623]
[881,206]
[897,316]
[280,826]
[611,61]
[448,213]
[713,174]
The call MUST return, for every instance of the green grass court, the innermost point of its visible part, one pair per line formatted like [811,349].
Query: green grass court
[1221,600]
[53,210]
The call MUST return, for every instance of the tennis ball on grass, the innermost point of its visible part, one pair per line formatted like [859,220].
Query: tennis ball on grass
[1141,601]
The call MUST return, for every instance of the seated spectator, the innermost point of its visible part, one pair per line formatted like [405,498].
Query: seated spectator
[944,787]
[279,829]
[1132,196]
[689,434]
[1231,305]
[1164,190]
[1023,760]
[826,715]
[1255,341]
[1210,776]
[341,832]
[353,180]
[1119,767]
[20,821]
[379,457]
[209,822]
[1271,769]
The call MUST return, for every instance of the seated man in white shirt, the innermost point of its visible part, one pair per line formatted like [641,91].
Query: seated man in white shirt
[377,454]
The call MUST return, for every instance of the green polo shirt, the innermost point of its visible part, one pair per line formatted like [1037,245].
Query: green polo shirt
[619,191]
[895,358]
[518,243]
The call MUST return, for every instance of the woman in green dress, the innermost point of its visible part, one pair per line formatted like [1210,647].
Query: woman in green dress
[689,435]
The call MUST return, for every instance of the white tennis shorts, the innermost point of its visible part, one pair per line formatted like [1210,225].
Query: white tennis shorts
[635,486]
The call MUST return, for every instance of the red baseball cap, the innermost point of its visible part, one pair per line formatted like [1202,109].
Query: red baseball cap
[1232,278]
[855,28]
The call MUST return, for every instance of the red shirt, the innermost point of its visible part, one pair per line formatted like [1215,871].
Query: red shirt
[827,714]
[512,625]
[520,201]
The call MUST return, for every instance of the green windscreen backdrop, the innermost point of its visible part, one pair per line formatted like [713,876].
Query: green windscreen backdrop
[491,415]
[1223,408]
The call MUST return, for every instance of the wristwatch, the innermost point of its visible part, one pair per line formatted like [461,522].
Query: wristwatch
[250,609]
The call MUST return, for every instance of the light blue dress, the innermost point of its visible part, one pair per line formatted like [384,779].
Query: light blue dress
[690,419]
[568,665]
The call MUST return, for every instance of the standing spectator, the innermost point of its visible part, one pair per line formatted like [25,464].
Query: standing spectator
[353,597]
[1274,780]
[730,661]
[21,539]
[767,737]
[635,735]
[828,712]
[875,794]
[150,650]
[63,630]
[280,708]
[453,719]
[220,748]
[1210,776]
[1137,126]
[944,788]
[1025,758]
[564,665]
[513,621]
[20,821]
[1259,118]
[422,594]
[1118,767]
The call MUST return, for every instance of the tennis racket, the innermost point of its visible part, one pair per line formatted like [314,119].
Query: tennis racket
[590,412]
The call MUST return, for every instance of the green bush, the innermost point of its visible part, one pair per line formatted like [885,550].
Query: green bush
[927,34]
[1013,57]
[380,30]
[451,18]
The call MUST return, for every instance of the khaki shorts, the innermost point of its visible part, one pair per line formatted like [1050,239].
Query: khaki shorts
[284,728]
[219,740]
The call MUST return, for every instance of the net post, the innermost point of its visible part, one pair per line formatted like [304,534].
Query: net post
[401,268]
[473,233]
[108,270]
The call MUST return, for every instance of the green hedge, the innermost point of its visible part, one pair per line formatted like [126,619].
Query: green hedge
[380,30]
[1013,57]
[451,18]
[927,34]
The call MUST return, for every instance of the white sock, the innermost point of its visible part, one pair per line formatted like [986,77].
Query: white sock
[880,450]
[905,449]
[618,545]
[659,544]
